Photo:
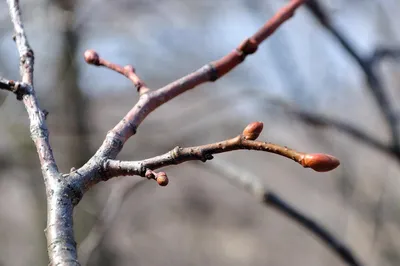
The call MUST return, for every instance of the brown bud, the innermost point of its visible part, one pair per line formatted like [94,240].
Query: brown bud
[248,46]
[162,179]
[320,162]
[150,174]
[91,57]
[253,130]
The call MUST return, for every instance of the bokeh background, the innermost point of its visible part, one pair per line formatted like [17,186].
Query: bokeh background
[200,218]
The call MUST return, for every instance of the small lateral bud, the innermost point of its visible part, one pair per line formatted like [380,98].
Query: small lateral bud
[91,57]
[162,179]
[253,130]
[248,46]
[320,162]
[150,174]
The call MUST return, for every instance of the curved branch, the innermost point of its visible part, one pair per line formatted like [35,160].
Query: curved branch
[246,141]
[93,58]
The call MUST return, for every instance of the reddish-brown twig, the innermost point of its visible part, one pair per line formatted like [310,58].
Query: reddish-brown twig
[245,141]
[250,45]
[93,58]
[210,72]
[59,231]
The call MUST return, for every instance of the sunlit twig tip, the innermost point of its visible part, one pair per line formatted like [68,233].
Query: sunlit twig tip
[320,162]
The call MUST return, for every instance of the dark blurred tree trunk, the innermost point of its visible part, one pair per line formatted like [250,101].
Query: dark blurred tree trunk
[73,115]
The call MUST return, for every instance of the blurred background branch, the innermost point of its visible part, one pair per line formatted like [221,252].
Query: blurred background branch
[269,198]
[372,77]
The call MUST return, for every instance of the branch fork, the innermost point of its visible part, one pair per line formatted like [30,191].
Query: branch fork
[18,88]
[65,191]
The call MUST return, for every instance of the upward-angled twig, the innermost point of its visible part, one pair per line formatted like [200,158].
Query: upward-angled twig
[91,57]
[246,141]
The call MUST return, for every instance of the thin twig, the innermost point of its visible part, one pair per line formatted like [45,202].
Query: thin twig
[39,131]
[93,58]
[245,141]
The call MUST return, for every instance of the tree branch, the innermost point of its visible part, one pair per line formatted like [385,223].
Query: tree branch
[246,141]
[268,198]
[91,173]
[91,57]
[59,231]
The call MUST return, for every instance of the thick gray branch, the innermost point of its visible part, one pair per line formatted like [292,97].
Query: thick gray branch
[59,232]
[110,212]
